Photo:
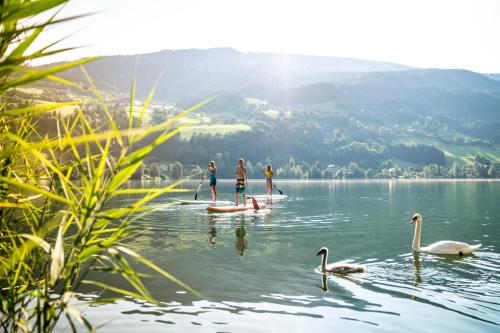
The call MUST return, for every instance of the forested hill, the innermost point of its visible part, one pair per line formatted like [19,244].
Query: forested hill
[494,76]
[438,93]
[381,120]
[316,116]
[188,72]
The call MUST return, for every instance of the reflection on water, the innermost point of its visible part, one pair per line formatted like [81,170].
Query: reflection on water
[324,282]
[212,231]
[259,272]
[418,274]
[241,238]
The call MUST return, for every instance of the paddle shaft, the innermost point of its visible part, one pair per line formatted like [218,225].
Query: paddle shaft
[199,186]
[277,189]
[254,201]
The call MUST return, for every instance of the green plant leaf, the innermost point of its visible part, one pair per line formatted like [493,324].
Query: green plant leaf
[146,104]
[166,124]
[34,189]
[55,79]
[117,290]
[132,191]
[35,76]
[6,204]
[23,46]
[36,109]
[38,241]
[158,269]
[57,256]
[20,10]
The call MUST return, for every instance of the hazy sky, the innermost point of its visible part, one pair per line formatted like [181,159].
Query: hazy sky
[421,33]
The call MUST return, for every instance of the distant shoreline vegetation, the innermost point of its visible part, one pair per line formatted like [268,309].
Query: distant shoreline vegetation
[403,123]
[296,149]
[303,171]
[322,180]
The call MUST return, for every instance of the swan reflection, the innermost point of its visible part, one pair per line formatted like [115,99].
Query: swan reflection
[324,282]
[418,273]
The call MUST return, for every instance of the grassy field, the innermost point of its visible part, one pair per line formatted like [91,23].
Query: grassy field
[271,113]
[188,132]
[255,101]
[455,152]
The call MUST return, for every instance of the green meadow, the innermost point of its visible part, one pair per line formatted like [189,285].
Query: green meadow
[187,132]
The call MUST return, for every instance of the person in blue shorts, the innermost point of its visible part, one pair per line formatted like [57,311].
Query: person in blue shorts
[241,180]
[212,169]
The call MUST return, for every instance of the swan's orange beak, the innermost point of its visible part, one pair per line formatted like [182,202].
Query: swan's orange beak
[413,220]
[320,252]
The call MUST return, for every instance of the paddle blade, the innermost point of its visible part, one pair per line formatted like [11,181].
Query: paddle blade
[255,204]
[201,182]
[277,189]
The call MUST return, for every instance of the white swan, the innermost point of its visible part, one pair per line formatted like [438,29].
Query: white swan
[441,247]
[340,268]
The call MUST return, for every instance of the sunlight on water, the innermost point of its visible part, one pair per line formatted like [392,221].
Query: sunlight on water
[258,270]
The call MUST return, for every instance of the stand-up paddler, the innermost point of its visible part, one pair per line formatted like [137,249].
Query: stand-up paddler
[241,180]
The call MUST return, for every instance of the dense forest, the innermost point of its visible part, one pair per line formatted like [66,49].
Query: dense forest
[318,118]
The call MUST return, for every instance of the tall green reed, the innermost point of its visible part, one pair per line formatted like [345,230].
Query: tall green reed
[54,228]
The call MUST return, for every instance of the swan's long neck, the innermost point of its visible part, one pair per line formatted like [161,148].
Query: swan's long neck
[324,260]
[416,237]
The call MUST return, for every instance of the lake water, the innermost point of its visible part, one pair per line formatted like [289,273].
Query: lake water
[258,272]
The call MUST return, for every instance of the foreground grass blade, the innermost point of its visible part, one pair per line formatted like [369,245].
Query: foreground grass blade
[19,10]
[56,182]
[35,76]
[36,109]
[34,189]
[158,269]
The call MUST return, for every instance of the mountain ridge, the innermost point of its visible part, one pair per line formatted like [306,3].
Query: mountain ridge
[292,106]
[191,71]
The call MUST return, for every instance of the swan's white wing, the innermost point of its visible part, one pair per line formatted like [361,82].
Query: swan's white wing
[343,268]
[449,247]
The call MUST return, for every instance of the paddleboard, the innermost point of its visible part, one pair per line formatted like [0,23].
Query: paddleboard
[231,209]
[204,202]
[269,197]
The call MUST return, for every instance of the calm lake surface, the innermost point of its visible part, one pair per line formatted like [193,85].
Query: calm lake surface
[258,272]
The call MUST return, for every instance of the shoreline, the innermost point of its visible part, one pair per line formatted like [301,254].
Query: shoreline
[359,180]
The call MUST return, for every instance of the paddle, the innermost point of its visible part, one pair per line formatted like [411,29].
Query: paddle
[199,186]
[277,189]
[254,201]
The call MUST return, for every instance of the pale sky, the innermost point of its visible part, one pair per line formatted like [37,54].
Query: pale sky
[421,33]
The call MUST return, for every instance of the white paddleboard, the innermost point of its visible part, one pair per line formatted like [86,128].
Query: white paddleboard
[232,209]
[270,197]
[204,202]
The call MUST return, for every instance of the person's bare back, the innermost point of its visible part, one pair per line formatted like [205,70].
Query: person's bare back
[241,180]
[240,172]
